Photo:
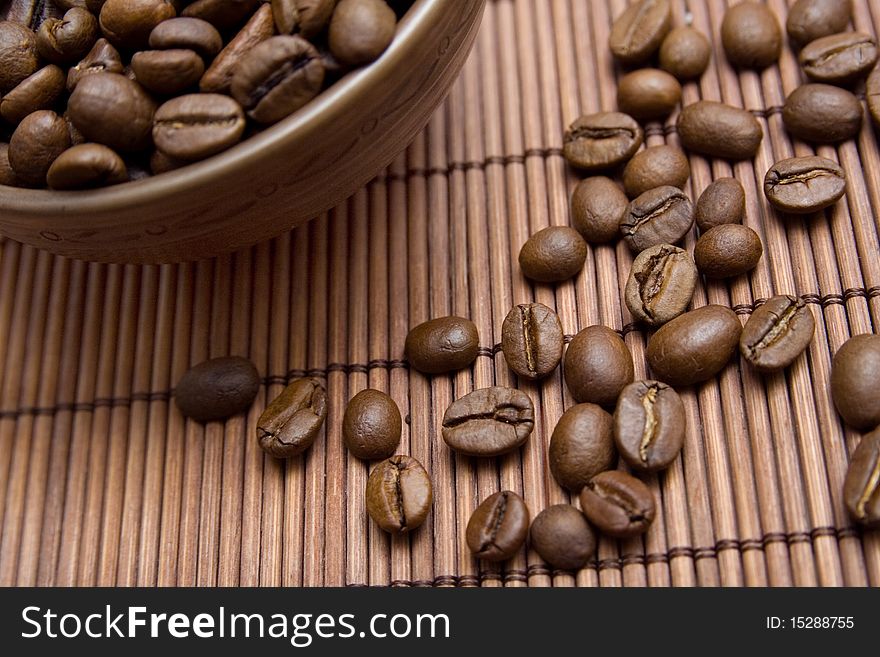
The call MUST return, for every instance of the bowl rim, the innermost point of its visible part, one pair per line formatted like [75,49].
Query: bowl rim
[241,157]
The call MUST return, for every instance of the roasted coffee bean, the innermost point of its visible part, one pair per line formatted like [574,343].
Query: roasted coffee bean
[68,39]
[195,126]
[660,284]
[861,488]
[777,332]
[162,163]
[656,166]
[218,388]
[7,174]
[751,35]
[719,130]
[110,109]
[218,77]
[553,254]
[489,421]
[638,32]
[601,141]
[809,20]
[443,344]
[694,346]
[102,58]
[822,113]
[292,421]
[399,494]
[662,215]
[498,527]
[128,23]
[86,165]
[597,365]
[872,95]
[371,425]
[649,425]
[18,54]
[685,53]
[189,34]
[648,94]
[167,72]
[308,18]
[801,185]
[36,142]
[562,537]
[360,31]
[728,250]
[839,58]
[597,206]
[855,371]
[222,14]
[722,202]
[35,92]
[532,340]
[581,446]
[618,504]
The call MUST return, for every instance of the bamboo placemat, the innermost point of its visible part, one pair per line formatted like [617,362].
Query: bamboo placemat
[103,482]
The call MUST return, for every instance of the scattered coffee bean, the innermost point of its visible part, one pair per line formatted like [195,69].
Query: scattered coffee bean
[291,422]
[189,34]
[218,77]
[128,23]
[489,421]
[660,284]
[722,202]
[601,141]
[443,344]
[36,92]
[861,488]
[581,446]
[218,388]
[66,40]
[399,494]
[638,32]
[597,206]
[532,340]
[728,250]
[839,58]
[562,537]
[18,55]
[649,425]
[102,58]
[777,333]
[719,130]
[618,504]
[85,166]
[194,126]
[167,72]
[751,35]
[597,365]
[553,254]
[855,371]
[498,527]
[809,20]
[648,93]
[656,166]
[662,215]
[37,141]
[371,425]
[110,109]
[694,346]
[685,53]
[360,31]
[822,113]
[801,185]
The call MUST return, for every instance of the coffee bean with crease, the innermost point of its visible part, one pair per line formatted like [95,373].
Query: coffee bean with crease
[167,72]
[218,77]
[661,284]
[618,504]
[36,92]
[601,141]
[801,185]
[195,126]
[498,527]
[638,32]
[399,494]
[86,166]
[861,487]
[777,333]
[649,425]
[102,58]
[532,340]
[839,58]
[189,34]
[489,421]
[67,39]
[291,422]
[662,215]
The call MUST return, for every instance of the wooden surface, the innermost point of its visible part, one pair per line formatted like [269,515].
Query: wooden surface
[103,482]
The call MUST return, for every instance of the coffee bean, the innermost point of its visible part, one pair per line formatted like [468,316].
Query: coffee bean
[872,95]
[36,142]
[649,425]
[861,488]
[648,94]
[162,163]
[685,53]
[618,504]
[532,340]
[110,109]
[822,113]
[601,141]
[662,215]
[597,206]
[189,34]
[489,421]
[694,346]
[728,250]
[562,537]
[361,30]
[443,344]
[839,58]
[35,92]
[777,332]
[7,173]
[751,35]
[801,185]
[194,126]
[167,72]
[581,446]
[722,202]
[719,130]
[128,23]
[553,254]
[292,421]
[656,166]
[660,284]
[102,58]
[222,14]
[498,527]
[598,365]
[371,425]
[18,54]
[218,77]
[85,166]
[639,30]
[855,371]
[218,388]
[399,494]
[809,20]
[68,39]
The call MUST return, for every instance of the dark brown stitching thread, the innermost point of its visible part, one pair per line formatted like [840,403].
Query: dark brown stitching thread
[469,165]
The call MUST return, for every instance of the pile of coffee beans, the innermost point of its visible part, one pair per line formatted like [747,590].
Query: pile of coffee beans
[115,90]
